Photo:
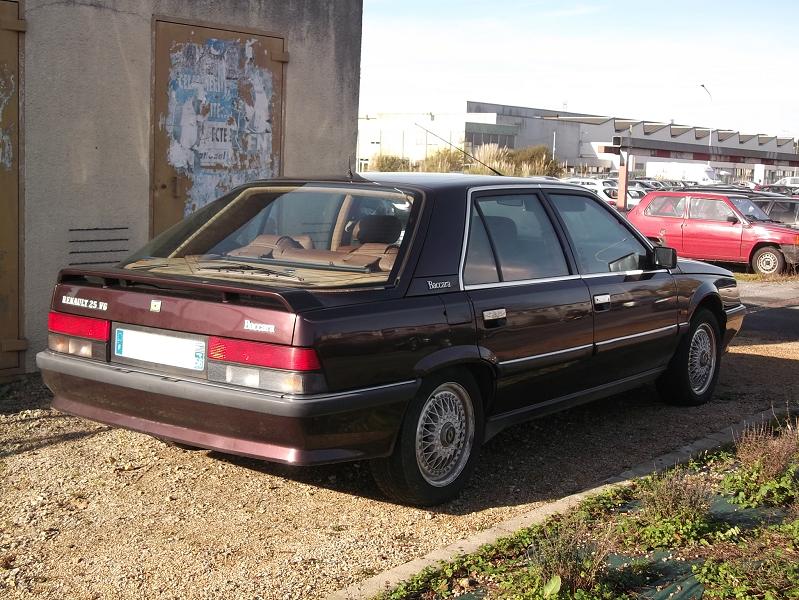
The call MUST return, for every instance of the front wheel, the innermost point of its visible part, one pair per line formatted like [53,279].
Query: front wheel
[438,442]
[694,369]
[768,261]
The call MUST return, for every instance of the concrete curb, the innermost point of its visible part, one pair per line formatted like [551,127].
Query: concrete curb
[369,588]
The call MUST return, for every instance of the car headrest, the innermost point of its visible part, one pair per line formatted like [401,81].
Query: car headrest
[502,228]
[378,229]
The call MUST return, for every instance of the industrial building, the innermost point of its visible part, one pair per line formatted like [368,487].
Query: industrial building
[582,142]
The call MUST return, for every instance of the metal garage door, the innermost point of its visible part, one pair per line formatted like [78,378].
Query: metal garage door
[218,114]
[10,344]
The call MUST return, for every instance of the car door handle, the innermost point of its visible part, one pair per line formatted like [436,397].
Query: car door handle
[494,318]
[602,302]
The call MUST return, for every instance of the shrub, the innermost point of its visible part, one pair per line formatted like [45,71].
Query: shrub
[389,162]
[675,510]
[446,160]
[568,552]
[768,472]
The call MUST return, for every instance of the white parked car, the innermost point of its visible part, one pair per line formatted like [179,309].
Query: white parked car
[792,181]
[601,187]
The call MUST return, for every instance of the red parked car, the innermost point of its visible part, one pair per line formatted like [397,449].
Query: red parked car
[717,227]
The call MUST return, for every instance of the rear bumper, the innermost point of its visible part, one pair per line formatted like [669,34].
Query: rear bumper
[302,430]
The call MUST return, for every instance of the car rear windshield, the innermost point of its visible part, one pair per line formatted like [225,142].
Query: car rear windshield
[311,235]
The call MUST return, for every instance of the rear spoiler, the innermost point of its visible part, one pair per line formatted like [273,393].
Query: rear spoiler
[290,300]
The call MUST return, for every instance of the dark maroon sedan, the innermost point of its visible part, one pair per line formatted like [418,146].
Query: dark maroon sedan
[404,319]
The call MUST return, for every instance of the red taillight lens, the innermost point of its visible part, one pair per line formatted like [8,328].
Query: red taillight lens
[84,327]
[262,355]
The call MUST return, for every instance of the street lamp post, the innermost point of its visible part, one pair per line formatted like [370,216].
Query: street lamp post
[710,129]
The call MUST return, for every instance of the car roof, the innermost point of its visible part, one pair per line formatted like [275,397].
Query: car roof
[440,180]
[426,181]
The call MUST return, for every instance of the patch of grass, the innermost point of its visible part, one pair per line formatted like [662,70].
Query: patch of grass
[768,471]
[570,552]
[675,511]
[789,275]
[601,549]
[764,567]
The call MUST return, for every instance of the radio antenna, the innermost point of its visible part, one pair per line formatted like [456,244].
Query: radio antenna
[461,150]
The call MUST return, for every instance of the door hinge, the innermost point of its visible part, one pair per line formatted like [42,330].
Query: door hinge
[13,345]
[13,25]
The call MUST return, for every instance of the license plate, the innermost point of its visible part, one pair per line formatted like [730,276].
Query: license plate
[160,349]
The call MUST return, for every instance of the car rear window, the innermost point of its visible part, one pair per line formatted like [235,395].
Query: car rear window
[666,206]
[312,235]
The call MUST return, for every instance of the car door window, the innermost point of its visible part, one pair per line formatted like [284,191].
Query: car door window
[666,206]
[518,234]
[709,209]
[601,243]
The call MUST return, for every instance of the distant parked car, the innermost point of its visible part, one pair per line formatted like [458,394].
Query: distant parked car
[786,190]
[601,187]
[792,181]
[717,227]
[784,210]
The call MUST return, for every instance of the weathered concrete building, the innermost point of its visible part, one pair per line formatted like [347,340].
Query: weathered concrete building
[119,117]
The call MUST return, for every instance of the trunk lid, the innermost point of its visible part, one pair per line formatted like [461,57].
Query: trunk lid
[181,304]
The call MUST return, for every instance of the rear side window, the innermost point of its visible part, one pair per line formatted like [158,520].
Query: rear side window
[602,244]
[667,206]
[709,209]
[480,264]
[519,235]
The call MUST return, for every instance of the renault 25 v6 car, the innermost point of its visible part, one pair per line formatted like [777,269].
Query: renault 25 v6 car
[404,319]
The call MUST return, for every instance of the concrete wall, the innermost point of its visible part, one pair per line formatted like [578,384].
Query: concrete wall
[87,94]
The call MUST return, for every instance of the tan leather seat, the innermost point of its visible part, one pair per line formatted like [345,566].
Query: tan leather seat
[376,234]
[266,246]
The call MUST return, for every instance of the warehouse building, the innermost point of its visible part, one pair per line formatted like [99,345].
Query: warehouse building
[582,142]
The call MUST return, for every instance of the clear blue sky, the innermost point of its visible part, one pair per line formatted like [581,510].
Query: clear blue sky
[643,59]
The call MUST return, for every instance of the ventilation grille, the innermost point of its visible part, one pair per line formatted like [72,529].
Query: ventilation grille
[90,246]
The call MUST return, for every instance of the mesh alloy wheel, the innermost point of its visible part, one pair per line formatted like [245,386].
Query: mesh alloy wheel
[702,358]
[445,434]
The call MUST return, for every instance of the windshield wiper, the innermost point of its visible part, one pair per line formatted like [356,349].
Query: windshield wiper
[235,267]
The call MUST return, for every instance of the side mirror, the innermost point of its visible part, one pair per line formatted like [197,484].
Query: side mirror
[732,219]
[665,258]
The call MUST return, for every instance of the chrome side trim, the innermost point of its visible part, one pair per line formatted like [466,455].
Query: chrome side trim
[501,284]
[735,310]
[636,335]
[625,273]
[546,354]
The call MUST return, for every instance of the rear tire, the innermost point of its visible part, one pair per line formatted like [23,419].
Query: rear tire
[694,369]
[438,443]
[768,260]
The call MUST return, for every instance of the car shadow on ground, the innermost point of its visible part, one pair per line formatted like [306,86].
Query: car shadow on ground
[24,401]
[21,445]
[579,448]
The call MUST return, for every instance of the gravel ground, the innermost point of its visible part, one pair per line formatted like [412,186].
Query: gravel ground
[87,511]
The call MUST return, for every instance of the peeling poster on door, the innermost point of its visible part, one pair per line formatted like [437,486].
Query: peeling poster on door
[218,117]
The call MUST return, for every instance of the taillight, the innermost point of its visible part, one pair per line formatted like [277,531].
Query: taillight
[271,367]
[85,327]
[262,355]
[86,337]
